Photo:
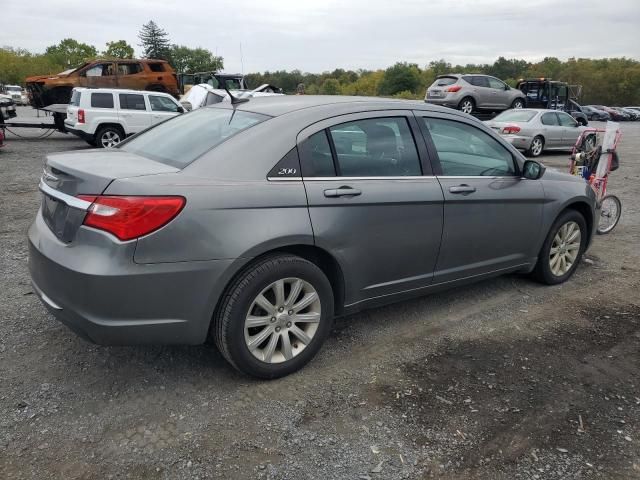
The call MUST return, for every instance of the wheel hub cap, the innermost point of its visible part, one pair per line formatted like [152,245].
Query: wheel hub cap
[565,248]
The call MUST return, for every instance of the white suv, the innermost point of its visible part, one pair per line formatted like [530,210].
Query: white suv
[106,116]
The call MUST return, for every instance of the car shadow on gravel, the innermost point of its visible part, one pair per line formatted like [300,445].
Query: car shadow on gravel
[570,393]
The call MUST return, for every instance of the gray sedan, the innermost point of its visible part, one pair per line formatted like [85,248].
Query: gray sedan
[536,130]
[255,224]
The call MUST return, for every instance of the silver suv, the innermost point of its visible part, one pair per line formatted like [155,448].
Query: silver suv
[473,92]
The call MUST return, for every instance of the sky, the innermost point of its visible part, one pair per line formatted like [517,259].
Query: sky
[317,36]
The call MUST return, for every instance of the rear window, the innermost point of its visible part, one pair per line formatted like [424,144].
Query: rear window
[75,98]
[179,141]
[515,116]
[156,67]
[444,81]
[102,100]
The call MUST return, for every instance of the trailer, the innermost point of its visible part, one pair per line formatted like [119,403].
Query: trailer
[58,113]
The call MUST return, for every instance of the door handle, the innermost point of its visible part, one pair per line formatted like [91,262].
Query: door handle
[342,192]
[462,189]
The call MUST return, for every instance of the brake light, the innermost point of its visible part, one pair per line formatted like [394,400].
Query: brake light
[454,88]
[81,116]
[511,129]
[131,217]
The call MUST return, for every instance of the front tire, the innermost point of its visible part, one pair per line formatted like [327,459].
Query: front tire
[536,148]
[274,317]
[467,105]
[562,249]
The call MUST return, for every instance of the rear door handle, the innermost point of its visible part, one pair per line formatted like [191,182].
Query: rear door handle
[462,189]
[342,192]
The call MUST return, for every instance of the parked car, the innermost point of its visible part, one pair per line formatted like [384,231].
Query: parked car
[145,74]
[7,108]
[251,224]
[473,92]
[575,110]
[204,94]
[105,116]
[614,114]
[17,94]
[536,130]
[596,114]
[634,115]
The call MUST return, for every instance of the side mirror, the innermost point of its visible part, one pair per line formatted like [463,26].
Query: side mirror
[533,170]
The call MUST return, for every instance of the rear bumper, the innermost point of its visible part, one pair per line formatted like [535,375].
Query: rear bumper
[106,298]
[444,101]
[520,142]
[79,133]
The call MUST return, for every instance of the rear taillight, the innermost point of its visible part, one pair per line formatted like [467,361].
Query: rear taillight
[511,129]
[81,116]
[453,88]
[131,217]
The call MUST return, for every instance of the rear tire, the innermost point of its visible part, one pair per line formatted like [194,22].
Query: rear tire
[562,249]
[518,103]
[536,148]
[109,136]
[467,105]
[274,338]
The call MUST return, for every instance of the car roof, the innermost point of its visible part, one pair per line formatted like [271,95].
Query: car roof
[278,105]
[120,90]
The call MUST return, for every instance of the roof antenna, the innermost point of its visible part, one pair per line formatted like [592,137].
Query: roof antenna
[234,100]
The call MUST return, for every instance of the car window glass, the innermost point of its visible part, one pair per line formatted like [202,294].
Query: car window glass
[444,81]
[100,70]
[549,118]
[465,150]
[101,100]
[495,83]
[479,81]
[156,67]
[318,157]
[515,115]
[75,98]
[131,101]
[162,104]
[566,120]
[183,138]
[375,147]
[129,68]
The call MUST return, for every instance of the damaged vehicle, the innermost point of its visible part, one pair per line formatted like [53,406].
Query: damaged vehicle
[205,94]
[144,74]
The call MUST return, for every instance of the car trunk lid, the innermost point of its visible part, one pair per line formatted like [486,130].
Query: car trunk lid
[68,175]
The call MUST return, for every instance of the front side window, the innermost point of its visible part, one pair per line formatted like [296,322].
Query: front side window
[375,147]
[566,120]
[132,101]
[184,138]
[162,104]
[465,150]
[102,100]
[495,83]
[100,70]
[549,118]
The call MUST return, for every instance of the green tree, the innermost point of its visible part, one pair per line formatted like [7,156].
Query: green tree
[70,53]
[16,64]
[118,49]
[190,60]
[400,78]
[330,86]
[154,41]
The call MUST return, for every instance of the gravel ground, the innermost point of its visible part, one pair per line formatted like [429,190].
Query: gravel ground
[505,379]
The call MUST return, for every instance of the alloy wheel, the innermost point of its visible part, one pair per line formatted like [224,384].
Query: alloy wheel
[282,320]
[536,147]
[565,248]
[466,106]
[110,139]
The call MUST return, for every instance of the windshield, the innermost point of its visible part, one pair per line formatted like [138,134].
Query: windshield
[515,116]
[11,88]
[180,141]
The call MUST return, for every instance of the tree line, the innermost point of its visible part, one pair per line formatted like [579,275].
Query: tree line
[608,81]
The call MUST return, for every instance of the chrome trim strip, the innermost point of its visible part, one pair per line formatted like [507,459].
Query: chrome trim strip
[284,179]
[347,179]
[471,177]
[63,197]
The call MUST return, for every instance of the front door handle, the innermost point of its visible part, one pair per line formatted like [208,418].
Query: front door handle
[462,189]
[342,192]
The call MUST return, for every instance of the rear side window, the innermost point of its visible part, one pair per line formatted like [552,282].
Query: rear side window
[375,147]
[131,101]
[75,98]
[181,140]
[102,100]
[317,153]
[464,150]
[156,67]
[549,118]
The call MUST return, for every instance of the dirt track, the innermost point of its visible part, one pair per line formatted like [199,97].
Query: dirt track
[504,379]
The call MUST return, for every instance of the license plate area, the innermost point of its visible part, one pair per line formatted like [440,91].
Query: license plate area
[61,219]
